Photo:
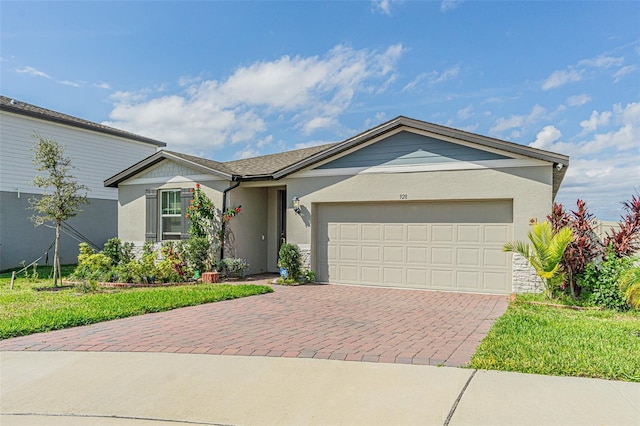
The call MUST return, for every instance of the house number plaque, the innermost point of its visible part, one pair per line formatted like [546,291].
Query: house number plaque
[403,196]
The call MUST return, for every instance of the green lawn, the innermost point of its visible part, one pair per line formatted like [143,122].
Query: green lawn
[24,310]
[563,342]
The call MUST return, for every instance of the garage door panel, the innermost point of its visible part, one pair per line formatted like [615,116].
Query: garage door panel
[370,274]
[469,234]
[370,254]
[349,232]
[393,254]
[332,252]
[496,258]
[495,281]
[442,279]
[468,280]
[418,233]
[453,246]
[394,233]
[442,256]
[371,232]
[417,278]
[417,255]
[348,273]
[442,233]
[349,252]
[469,257]
[497,234]
[393,276]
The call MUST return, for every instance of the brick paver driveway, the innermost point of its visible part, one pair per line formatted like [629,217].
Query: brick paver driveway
[312,321]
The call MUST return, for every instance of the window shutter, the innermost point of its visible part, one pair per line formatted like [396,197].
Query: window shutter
[185,200]
[151,215]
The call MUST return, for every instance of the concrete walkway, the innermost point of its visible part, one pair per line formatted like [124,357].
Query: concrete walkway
[313,321]
[100,388]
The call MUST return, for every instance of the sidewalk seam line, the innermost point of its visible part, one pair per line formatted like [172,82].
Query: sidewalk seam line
[102,416]
[457,401]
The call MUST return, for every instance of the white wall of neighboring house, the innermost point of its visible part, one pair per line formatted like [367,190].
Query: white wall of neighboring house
[96,156]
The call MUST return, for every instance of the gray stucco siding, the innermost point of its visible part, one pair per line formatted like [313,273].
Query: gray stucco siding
[406,148]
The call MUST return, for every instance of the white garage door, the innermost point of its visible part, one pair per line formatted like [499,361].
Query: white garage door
[454,246]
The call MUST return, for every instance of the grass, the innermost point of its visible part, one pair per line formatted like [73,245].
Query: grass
[24,310]
[563,342]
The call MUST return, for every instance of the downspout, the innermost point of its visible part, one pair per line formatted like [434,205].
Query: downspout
[234,178]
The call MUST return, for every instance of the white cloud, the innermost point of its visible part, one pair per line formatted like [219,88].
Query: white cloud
[601,62]
[605,166]
[578,100]
[432,78]
[33,72]
[310,91]
[246,153]
[586,67]
[546,137]
[466,112]
[617,76]
[560,78]
[37,73]
[502,123]
[596,120]
[102,85]
[382,7]
[447,5]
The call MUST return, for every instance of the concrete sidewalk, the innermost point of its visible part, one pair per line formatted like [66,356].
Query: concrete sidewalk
[101,388]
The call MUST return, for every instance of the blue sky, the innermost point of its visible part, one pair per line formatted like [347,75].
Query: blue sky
[227,80]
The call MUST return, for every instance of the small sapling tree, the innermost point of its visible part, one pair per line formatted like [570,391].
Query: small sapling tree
[62,195]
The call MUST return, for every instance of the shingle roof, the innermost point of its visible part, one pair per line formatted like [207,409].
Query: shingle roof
[23,108]
[267,165]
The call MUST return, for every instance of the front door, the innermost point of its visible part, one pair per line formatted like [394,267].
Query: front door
[282,217]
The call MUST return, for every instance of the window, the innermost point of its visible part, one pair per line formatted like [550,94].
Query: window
[170,215]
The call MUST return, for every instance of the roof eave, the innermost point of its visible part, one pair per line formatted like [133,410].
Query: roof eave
[102,129]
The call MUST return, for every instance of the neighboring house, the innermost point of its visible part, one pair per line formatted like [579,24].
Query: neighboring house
[96,151]
[405,204]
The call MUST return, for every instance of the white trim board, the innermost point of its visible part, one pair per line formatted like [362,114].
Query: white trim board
[169,179]
[412,168]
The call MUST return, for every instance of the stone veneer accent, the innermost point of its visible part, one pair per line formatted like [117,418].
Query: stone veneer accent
[525,279]
[305,257]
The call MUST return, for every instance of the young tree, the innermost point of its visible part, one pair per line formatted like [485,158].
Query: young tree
[62,195]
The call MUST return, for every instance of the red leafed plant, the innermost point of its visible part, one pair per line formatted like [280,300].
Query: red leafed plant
[585,246]
[626,240]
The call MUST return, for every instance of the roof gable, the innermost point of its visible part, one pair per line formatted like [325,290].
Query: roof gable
[407,148]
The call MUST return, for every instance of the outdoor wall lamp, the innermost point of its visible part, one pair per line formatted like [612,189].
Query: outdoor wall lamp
[296,205]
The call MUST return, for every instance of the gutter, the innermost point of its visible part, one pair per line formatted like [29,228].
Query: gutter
[234,178]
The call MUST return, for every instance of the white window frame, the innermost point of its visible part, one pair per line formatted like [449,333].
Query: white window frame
[163,215]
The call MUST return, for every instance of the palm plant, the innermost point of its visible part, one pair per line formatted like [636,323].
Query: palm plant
[630,285]
[545,253]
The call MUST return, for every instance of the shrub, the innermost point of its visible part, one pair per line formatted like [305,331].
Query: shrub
[630,285]
[585,246]
[234,267]
[290,259]
[118,251]
[92,265]
[601,281]
[626,240]
[199,254]
[174,264]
